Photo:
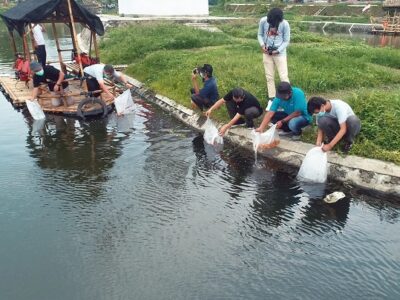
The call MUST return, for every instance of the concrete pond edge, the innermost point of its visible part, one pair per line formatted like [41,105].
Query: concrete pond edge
[363,172]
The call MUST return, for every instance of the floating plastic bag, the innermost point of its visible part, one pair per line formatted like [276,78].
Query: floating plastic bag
[334,197]
[315,166]
[124,103]
[35,110]
[211,135]
[266,140]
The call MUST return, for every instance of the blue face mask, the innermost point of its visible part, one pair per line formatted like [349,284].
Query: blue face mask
[321,114]
[40,73]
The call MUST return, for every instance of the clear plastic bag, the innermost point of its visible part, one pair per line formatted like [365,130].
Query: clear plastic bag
[315,166]
[266,140]
[211,135]
[124,103]
[35,110]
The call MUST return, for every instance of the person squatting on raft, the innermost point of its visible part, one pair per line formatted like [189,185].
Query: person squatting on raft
[335,120]
[39,44]
[205,97]
[49,75]
[274,38]
[288,111]
[96,74]
[239,103]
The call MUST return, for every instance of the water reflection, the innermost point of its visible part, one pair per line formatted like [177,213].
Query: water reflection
[76,151]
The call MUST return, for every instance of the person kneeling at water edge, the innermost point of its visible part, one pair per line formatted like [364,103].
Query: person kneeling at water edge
[288,111]
[48,75]
[335,120]
[205,97]
[97,73]
[239,103]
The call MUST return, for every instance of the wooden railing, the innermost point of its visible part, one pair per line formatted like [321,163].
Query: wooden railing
[391,3]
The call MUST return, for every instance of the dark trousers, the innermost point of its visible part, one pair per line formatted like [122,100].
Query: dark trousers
[41,54]
[93,85]
[330,127]
[250,113]
[295,125]
[201,102]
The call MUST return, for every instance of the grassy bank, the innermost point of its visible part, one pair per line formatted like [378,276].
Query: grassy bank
[163,55]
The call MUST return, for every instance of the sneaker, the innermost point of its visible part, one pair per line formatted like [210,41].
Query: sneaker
[296,137]
[347,147]
[283,132]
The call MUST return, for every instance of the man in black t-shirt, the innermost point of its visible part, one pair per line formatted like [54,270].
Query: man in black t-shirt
[47,75]
[239,103]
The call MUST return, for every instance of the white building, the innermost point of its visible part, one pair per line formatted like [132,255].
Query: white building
[163,7]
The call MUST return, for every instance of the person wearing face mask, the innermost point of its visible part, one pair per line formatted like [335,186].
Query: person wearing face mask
[95,78]
[335,120]
[274,38]
[239,103]
[49,75]
[288,111]
[208,95]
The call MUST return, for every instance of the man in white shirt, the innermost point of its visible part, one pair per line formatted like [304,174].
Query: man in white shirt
[335,120]
[97,73]
[38,40]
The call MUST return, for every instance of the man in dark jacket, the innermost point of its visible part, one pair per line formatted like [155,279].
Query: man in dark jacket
[239,103]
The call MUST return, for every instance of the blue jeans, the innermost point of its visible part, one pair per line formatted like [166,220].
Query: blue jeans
[294,125]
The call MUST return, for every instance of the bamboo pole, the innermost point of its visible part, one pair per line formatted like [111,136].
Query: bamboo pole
[74,38]
[60,59]
[96,47]
[33,42]
[12,42]
[27,54]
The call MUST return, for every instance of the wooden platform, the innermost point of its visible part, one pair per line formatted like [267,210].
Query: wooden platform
[18,92]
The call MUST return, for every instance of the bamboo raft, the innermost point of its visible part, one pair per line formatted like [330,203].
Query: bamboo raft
[76,101]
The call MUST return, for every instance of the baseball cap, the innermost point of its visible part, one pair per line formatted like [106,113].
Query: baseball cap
[35,66]
[284,88]
[207,69]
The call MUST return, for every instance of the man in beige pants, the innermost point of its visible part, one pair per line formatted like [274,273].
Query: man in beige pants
[274,37]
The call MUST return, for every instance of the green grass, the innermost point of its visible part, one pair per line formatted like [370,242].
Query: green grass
[163,55]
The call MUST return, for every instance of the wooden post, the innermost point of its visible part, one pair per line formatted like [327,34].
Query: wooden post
[33,42]
[60,59]
[27,54]
[78,51]
[96,48]
[12,41]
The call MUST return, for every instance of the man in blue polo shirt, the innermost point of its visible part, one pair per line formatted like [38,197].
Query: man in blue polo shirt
[288,111]
[208,95]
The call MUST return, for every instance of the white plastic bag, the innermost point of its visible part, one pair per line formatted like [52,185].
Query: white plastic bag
[35,110]
[266,140]
[211,135]
[315,166]
[124,103]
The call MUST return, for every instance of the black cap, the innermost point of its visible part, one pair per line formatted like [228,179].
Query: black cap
[284,89]
[207,69]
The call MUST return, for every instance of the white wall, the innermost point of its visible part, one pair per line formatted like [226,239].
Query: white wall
[163,7]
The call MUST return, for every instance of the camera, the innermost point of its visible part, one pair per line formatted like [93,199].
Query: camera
[196,70]
[270,49]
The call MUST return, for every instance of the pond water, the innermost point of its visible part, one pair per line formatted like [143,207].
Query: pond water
[139,208]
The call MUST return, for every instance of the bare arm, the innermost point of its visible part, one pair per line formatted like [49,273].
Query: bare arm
[105,89]
[267,118]
[320,137]
[224,128]
[35,93]
[216,105]
[60,79]
[195,84]
[337,138]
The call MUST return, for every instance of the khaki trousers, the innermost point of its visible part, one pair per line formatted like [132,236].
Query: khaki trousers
[270,62]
